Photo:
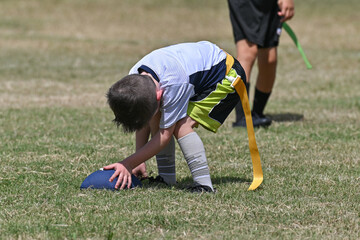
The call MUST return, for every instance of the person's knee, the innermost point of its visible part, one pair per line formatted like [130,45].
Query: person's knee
[272,59]
[246,51]
[184,127]
[267,56]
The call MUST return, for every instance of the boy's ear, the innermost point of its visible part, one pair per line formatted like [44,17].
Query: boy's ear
[159,94]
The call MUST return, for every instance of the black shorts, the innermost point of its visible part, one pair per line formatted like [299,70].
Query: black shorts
[256,20]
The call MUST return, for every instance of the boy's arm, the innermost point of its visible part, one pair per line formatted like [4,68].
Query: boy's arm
[155,145]
[142,137]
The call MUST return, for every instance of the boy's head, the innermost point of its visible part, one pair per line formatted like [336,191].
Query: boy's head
[133,100]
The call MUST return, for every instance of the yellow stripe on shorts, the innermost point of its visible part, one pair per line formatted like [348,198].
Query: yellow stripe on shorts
[199,110]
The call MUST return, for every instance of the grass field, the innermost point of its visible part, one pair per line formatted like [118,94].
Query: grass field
[58,58]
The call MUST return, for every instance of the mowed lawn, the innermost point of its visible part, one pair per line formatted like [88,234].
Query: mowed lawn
[57,60]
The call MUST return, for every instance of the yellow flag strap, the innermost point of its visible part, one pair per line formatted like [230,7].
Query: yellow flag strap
[254,152]
[240,88]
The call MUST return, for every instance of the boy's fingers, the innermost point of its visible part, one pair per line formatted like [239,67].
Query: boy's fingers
[123,184]
[118,182]
[129,181]
[116,173]
[126,180]
[111,166]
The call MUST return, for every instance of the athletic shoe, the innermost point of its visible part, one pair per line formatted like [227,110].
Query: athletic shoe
[157,180]
[201,189]
[258,121]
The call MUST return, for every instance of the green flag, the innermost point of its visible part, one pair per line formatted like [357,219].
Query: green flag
[294,38]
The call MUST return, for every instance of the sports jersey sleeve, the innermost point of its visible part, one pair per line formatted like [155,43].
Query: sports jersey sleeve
[175,103]
[182,70]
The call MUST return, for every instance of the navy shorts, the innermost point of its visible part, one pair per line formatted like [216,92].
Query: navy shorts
[213,106]
[256,20]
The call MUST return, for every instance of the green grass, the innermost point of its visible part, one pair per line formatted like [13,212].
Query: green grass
[57,60]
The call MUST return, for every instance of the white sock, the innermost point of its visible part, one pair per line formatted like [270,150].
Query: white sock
[166,163]
[194,153]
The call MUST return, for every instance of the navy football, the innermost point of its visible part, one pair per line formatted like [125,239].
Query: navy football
[100,180]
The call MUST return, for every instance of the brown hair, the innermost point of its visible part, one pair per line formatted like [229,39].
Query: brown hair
[133,101]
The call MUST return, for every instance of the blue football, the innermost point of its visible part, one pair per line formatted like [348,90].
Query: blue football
[100,180]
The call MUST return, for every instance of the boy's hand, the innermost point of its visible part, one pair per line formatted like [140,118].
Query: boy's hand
[123,173]
[140,171]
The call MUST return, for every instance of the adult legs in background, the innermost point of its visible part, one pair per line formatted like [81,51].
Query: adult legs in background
[267,60]
[247,53]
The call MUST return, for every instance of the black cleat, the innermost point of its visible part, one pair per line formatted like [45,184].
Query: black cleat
[156,180]
[258,121]
[201,189]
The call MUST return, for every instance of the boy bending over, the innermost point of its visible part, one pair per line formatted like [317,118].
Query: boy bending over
[168,93]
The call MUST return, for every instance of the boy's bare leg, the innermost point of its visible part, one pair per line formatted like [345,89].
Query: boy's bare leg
[194,152]
[165,159]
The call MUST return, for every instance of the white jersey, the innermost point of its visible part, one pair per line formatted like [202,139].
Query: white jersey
[183,71]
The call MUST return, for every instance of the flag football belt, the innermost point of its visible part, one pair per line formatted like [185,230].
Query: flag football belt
[295,40]
[240,88]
